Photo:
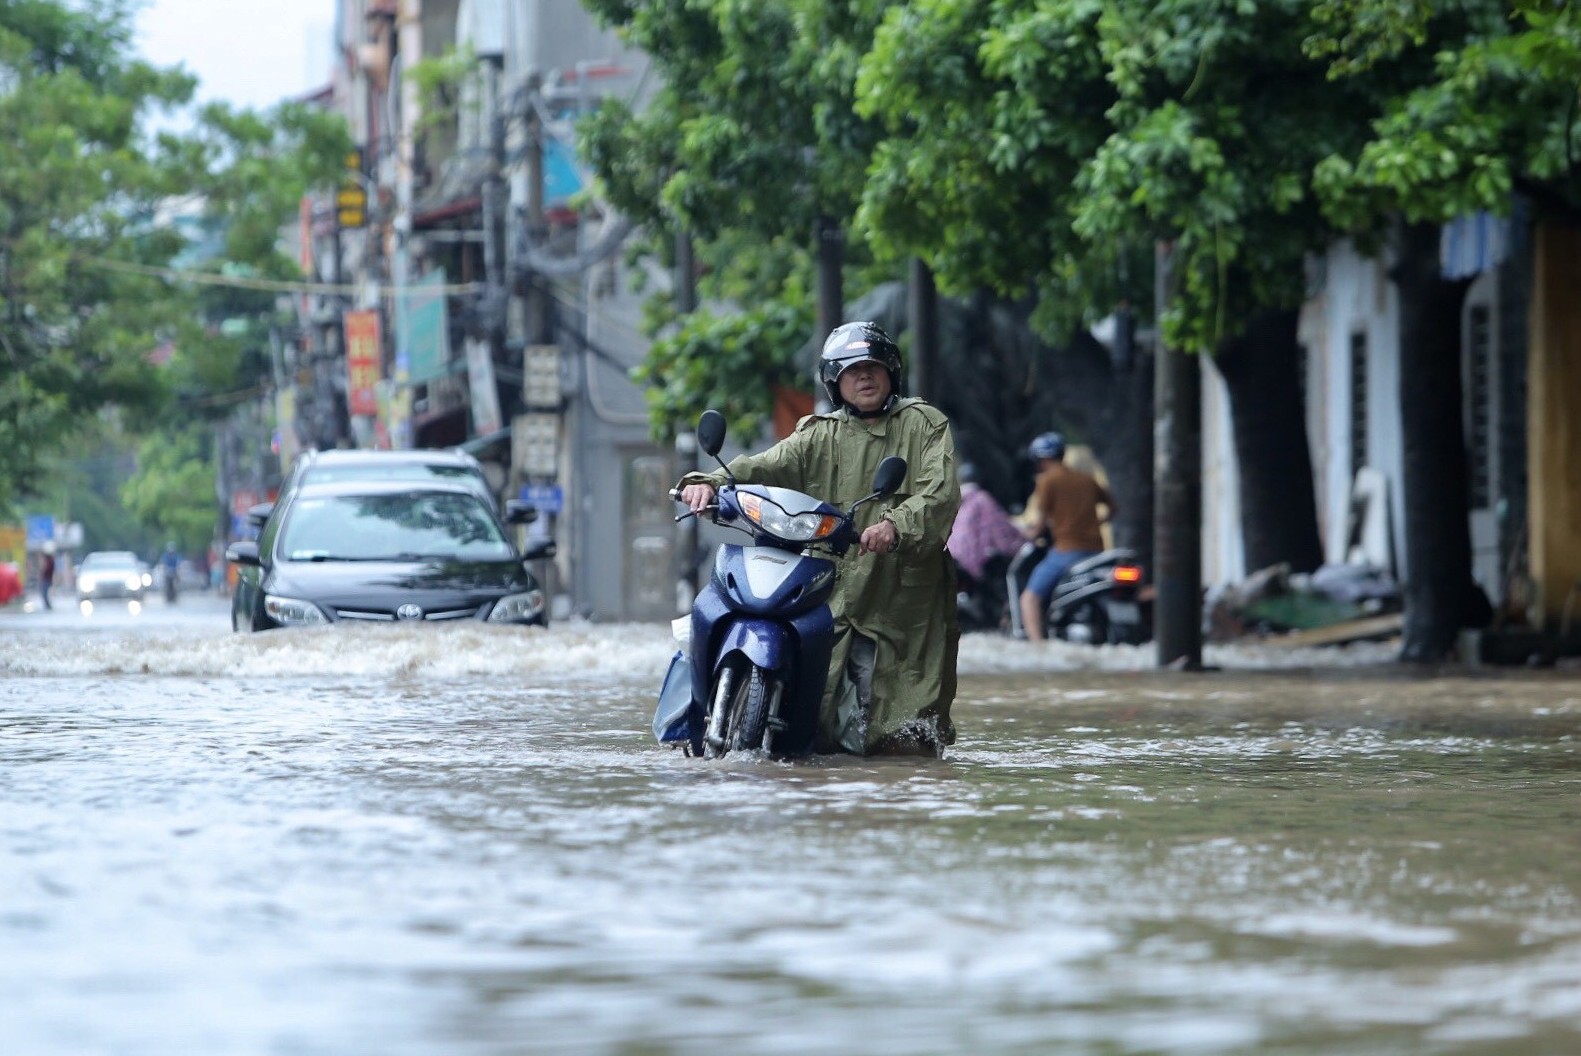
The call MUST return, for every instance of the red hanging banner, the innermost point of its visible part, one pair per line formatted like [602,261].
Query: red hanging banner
[362,361]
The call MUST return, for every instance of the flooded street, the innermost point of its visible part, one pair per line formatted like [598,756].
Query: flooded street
[465,841]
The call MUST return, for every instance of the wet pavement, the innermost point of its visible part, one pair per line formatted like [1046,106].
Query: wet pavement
[464,840]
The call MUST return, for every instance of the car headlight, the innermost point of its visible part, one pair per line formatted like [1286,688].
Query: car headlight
[517,608]
[797,527]
[292,612]
[134,582]
[86,583]
[147,579]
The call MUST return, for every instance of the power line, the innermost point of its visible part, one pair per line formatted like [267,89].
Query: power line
[208,278]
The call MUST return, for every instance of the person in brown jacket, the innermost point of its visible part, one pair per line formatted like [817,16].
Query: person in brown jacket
[1064,501]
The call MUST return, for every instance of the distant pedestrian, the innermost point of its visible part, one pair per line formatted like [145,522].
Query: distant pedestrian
[982,529]
[46,573]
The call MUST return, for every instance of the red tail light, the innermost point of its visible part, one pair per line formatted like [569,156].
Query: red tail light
[1127,573]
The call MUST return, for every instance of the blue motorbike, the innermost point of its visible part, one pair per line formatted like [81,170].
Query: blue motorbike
[751,674]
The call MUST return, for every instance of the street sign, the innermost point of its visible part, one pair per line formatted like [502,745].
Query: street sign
[40,530]
[351,200]
[535,444]
[546,498]
[541,377]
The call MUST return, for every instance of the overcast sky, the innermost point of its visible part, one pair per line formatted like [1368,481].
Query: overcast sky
[247,52]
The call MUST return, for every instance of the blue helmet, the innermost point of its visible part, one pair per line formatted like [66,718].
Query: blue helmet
[1049,445]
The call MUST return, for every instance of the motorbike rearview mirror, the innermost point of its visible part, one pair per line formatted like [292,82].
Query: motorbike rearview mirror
[891,472]
[711,432]
[711,437]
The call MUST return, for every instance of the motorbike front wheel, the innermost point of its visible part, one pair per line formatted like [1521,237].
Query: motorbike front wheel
[747,712]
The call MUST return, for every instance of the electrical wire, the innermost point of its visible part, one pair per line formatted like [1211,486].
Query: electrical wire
[205,278]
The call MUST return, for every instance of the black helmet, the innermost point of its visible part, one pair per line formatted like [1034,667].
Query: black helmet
[1049,445]
[854,343]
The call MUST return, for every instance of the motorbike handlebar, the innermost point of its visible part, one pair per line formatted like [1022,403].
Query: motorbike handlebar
[675,494]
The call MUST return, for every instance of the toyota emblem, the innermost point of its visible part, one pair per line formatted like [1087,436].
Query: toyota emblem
[409,612]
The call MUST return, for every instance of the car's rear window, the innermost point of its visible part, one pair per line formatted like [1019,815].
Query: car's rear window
[389,471]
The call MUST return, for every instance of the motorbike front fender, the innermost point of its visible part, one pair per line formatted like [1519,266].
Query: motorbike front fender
[765,643]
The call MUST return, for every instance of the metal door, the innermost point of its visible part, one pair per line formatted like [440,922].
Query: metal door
[1479,381]
[649,577]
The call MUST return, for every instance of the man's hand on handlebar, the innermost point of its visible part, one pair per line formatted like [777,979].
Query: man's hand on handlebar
[880,538]
[698,497]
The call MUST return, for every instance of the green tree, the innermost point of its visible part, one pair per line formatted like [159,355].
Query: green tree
[173,490]
[731,362]
[752,137]
[86,243]
[1496,114]
[248,172]
[1050,145]
[77,186]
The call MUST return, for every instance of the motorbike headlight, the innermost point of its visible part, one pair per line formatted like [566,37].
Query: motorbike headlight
[517,608]
[293,612]
[797,527]
[147,579]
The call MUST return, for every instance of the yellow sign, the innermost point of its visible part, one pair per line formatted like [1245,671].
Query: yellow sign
[351,201]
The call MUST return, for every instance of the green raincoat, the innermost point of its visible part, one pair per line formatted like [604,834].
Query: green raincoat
[904,601]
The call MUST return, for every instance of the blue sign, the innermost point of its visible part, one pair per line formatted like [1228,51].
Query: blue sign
[547,498]
[422,328]
[40,529]
[562,178]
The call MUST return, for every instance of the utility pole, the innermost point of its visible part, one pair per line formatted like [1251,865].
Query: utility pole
[686,439]
[494,212]
[546,430]
[830,242]
[538,328]
[1177,469]
[922,299]
[332,355]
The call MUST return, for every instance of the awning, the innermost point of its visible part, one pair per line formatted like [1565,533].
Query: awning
[449,211]
[479,444]
[1470,245]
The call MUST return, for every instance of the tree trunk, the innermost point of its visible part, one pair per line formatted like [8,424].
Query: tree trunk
[1440,595]
[1262,371]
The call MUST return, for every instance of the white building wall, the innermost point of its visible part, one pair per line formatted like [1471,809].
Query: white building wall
[1354,297]
[1223,542]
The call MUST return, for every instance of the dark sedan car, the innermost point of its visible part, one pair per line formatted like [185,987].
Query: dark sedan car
[384,551]
[426,465]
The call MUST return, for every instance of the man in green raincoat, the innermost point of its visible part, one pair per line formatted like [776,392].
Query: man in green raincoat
[892,670]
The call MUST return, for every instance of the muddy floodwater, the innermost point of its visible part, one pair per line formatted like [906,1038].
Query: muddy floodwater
[465,841]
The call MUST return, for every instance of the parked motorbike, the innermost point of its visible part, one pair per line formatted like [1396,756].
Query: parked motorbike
[752,672]
[980,601]
[1097,601]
